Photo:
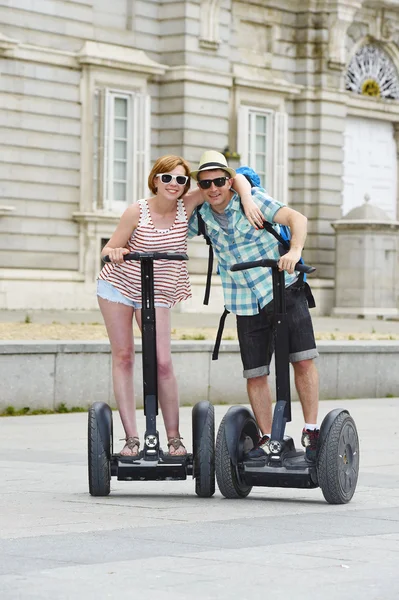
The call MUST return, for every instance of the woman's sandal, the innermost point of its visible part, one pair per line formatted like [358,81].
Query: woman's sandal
[132,443]
[176,443]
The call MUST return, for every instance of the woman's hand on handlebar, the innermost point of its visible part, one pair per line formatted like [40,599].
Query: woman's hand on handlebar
[116,254]
[289,260]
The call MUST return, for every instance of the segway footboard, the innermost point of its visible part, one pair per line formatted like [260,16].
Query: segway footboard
[165,468]
[290,471]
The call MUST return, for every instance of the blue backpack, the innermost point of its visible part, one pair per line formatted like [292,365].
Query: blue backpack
[284,237]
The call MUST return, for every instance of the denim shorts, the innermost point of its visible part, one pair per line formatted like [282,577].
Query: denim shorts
[256,334]
[109,292]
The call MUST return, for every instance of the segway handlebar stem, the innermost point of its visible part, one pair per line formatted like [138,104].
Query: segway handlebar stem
[271,263]
[153,255]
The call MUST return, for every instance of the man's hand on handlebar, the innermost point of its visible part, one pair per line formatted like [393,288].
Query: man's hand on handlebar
[116,254]
[289,260]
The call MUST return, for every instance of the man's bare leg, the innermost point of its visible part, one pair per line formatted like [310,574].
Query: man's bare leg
[307,385]
[261,401]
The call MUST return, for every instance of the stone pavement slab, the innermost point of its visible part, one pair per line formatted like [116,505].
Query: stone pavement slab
[206,319]
[159,539]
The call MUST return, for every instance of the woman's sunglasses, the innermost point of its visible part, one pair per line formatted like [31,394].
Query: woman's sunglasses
[205,184]
[167,178]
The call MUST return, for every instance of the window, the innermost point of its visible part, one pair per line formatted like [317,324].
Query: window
[121,148]
[262,144]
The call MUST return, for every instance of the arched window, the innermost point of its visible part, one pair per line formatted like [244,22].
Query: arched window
[372,73]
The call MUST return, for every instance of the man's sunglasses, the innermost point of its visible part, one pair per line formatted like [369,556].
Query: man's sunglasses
[167,178]
[205,184]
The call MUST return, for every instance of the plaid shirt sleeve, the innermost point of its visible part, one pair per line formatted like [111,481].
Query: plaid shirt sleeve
[268,205]
[193,225]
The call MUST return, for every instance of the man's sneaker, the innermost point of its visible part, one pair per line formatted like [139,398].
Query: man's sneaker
[260,450]
[309,440]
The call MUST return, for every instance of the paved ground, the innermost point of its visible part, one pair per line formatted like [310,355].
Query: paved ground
[89,325]
[159,540]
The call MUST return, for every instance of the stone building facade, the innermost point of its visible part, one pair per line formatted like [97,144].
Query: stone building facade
[92,91]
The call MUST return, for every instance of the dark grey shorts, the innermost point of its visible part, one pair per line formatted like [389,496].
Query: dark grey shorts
[255,334]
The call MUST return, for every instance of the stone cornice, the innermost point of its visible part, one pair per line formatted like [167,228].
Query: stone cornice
[27,275]
[379,4]
[6,210]
[118,57]
[91,53]
[362,105]
[48,56]
[7,44]
[363,224]
[187,73]
[356,104]
[282,86]
[96,217]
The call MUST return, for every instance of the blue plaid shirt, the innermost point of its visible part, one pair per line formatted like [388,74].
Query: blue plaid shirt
[244,291]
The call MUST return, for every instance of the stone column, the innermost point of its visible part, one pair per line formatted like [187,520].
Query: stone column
[367,250]
[396,136]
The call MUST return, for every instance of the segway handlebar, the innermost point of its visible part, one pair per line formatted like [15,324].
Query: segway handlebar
[153,255]
[271,263]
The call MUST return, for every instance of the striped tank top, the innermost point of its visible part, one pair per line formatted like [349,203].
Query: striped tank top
[171,281]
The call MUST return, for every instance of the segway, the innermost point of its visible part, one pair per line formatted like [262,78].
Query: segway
[151,463]
[335,469]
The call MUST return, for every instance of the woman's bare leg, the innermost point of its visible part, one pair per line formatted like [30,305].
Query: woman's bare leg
[168,394]
[118,321]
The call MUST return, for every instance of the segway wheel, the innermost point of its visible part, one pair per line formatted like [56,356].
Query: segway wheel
[227,475]
[338,461]
[98,461]
[205,457]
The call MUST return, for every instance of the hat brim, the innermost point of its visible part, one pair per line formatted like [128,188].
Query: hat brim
[231,172]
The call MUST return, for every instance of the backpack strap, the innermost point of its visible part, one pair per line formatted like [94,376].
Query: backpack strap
[215,354]
[209,274]
[269,227]
[202,231]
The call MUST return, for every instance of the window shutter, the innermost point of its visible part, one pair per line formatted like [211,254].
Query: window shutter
[107,141]
[280,157]
[243,134]
[98,150]
[141,134]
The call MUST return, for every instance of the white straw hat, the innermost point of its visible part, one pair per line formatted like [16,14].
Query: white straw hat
[211,160]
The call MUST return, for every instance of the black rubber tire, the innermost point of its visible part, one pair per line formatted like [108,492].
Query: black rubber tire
[205,458]
[227,475]
[338,461]
[98,461]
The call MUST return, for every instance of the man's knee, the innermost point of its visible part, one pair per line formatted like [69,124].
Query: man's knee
[302,367]
[255,382]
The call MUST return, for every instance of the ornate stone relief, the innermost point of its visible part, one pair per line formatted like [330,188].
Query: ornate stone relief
[356,32]
[338,22]
[372,73]
[209,38]
[390,31]
[256,31]
[255,42]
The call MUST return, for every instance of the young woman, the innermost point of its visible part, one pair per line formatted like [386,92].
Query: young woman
[157,224]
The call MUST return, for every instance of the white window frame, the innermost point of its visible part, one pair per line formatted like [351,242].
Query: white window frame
[137,148]
[276,161]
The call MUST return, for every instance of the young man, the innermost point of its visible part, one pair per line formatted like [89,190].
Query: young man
[248,294]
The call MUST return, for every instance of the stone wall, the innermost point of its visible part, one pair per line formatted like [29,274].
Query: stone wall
[46,374]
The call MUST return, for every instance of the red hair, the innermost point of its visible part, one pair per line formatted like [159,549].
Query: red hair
[165,164]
